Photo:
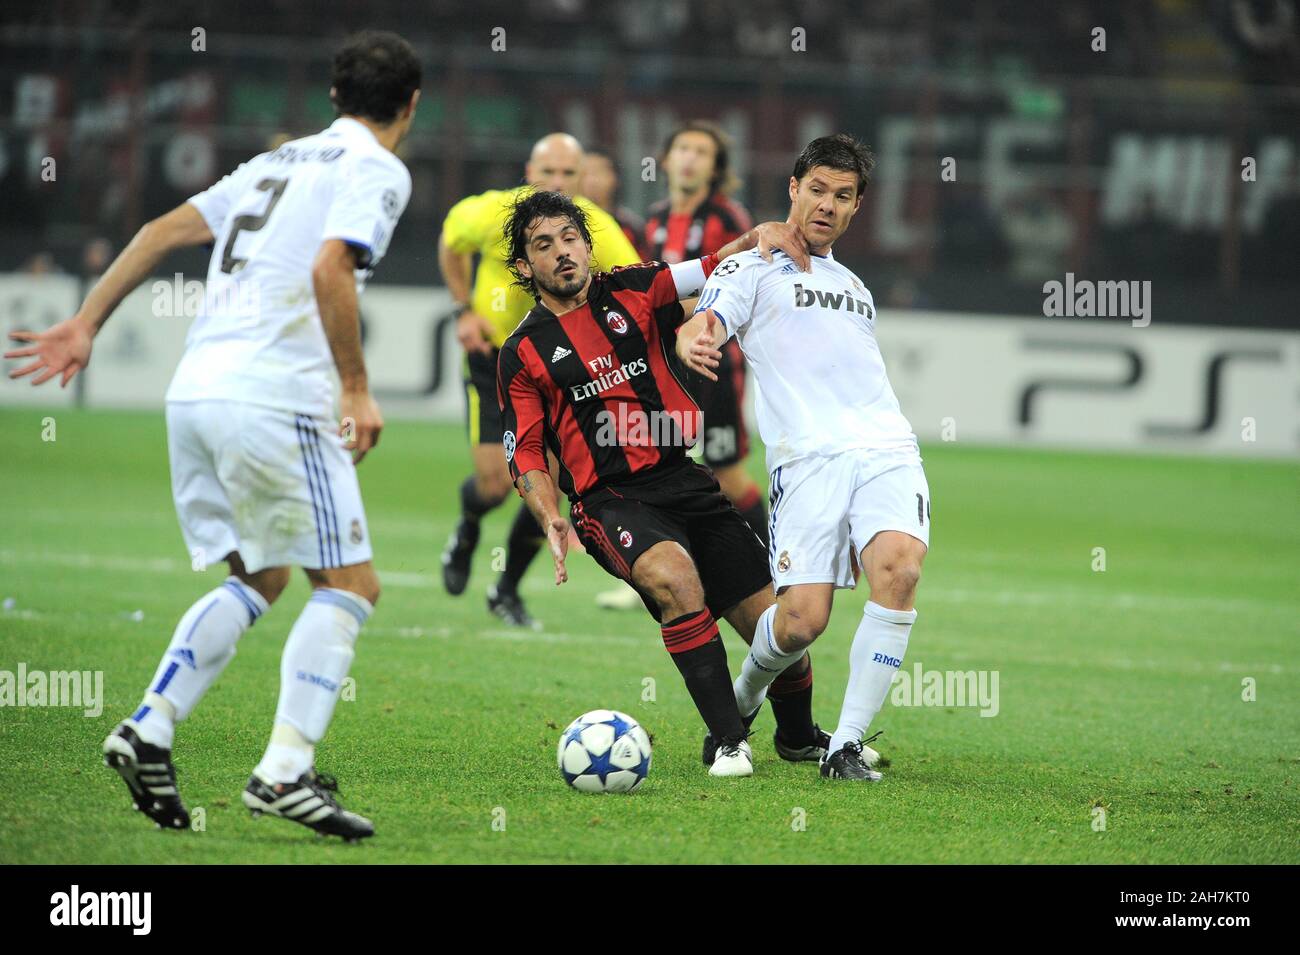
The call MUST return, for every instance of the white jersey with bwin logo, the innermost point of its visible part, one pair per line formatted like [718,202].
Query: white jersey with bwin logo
[820,382]
[843,463]
[259,338]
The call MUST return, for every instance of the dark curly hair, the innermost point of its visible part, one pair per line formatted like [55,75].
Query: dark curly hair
[528,208]
[840,151]
[375,73]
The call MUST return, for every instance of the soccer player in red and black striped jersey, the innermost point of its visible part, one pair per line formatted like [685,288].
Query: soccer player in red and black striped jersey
[586,375]
[698,217]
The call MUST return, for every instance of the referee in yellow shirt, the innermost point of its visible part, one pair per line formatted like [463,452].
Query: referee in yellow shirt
[489,311]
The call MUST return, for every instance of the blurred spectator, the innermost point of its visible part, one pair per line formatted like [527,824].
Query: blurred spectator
[42,263]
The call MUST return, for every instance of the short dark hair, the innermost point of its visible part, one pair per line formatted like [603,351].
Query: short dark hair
[723,181]
[528,208]
[375,73]
[840,151]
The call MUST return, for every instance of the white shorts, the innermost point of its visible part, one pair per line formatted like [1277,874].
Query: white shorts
[275,486]
[825,509]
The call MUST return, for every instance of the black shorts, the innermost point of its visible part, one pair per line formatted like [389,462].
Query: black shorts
[482,413]
[682,503]
[722,403]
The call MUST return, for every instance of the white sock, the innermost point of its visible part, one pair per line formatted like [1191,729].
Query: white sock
[763,664]
[876,654]
[289,755]
[204,642]
[316,659]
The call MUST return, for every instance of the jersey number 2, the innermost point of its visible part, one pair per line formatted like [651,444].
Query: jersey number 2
[229,262]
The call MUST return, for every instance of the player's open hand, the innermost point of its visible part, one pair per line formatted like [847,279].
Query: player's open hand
[62,349]
[474,333]
[786,237]
[557,535]
[360,423]
[701,355]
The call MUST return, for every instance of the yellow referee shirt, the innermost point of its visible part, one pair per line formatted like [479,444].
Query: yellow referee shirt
[476,224]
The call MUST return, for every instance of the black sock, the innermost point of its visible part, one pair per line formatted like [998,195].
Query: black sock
[472,507]
[696,647]
[791,696]
[522,545]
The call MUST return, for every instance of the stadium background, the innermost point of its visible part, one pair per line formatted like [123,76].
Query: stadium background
[1115,165]
[1122,689]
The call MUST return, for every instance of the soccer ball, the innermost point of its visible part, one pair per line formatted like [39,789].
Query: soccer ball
[604,751]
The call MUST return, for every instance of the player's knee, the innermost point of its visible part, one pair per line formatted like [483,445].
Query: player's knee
[672,583]
[798,626]
[494,488]
[900,577]
[675,595]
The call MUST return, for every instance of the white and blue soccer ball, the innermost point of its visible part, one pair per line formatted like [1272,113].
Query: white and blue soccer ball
[604,751]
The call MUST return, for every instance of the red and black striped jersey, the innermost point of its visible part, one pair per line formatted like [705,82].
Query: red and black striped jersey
[595,386]
[677,237]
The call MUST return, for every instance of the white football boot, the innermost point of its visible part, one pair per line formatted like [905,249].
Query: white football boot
[733,759]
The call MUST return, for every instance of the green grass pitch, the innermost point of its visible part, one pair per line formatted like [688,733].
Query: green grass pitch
[1121,689]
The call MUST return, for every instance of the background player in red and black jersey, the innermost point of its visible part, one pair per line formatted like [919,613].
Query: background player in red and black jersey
[699,217]
[586,375]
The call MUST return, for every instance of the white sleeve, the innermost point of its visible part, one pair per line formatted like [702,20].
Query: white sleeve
[730,291]
[215,202]
[368,200]
[688,276]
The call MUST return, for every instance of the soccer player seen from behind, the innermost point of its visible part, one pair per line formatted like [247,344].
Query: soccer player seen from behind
[845,469]
[586,376]
[490,306]
[263,475]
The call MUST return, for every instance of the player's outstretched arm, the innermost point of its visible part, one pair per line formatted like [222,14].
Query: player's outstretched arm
[334,282]
[539,494]
[699,342]
[767,236]
[64,349]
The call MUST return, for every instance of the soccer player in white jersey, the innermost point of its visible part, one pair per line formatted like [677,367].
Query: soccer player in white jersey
[846,482]
[263,474]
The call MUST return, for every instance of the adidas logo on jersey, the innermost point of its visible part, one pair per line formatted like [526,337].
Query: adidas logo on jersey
[560,352]
[807,298]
